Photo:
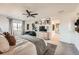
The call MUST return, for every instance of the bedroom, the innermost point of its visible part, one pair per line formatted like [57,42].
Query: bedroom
[50,31]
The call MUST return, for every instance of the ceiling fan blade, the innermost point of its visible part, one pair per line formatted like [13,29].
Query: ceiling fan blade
[35,14]
[24,14]
[28,12]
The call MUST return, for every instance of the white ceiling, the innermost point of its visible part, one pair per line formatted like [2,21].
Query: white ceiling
[44,10]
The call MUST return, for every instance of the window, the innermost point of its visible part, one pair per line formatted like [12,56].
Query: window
[17,27]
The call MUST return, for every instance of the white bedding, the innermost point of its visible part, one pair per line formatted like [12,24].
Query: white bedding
[23,47]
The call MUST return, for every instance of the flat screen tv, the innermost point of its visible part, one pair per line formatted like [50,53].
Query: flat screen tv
[42,28]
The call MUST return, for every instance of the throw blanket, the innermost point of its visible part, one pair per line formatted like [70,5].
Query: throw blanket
[39,43]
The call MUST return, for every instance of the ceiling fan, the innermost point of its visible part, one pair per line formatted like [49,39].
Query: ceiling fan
[30,14]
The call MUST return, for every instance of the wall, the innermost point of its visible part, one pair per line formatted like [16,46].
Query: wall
[4,24]
[30,21]
[67,30]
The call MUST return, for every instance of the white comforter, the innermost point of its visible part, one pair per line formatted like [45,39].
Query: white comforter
[23,47]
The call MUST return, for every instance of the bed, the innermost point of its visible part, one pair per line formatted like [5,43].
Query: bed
[40,44]
[27,45]
[23,47]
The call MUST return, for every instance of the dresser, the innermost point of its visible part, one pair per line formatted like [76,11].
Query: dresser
[43,35]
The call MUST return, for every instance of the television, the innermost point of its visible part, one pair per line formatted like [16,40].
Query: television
[42,28]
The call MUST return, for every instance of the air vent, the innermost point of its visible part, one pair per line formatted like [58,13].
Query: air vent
[61,11]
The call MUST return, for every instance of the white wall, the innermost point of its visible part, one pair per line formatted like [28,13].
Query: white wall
[30,21]
[67,29]
[4,24]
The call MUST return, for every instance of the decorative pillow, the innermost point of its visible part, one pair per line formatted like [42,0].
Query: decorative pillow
[11,39]
[1,52]
[4,45]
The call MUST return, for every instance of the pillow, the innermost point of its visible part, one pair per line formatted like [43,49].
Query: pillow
[11,39]
[4,45]
[1,52]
